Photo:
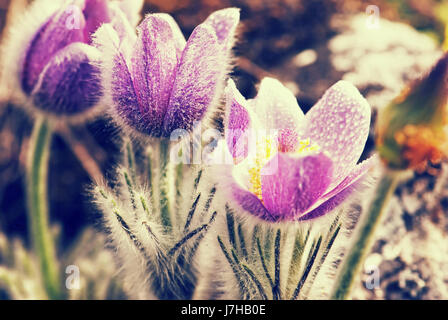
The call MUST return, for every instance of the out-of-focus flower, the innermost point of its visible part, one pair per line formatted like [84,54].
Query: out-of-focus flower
[308,164]
[412,129]
[58,67]
[157,82]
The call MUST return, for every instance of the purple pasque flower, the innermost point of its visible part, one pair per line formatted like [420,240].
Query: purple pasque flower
[59,70]
[308,166]
[157,82]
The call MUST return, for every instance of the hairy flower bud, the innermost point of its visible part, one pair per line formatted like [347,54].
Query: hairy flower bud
[58,68]
[157,82]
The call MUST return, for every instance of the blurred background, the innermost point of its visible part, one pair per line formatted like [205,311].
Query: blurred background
[308,45]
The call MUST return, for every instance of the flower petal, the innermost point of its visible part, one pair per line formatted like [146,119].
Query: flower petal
[71,81]
[339,124]
[116,48]
[120,23]
[49,39]
[333,198]
[328,205]
[178,37]
[294,184]
[358,171]
[154,62]
[198,78]
[277,109]
[96,13]
[249,202]
[224,23]
[237,122]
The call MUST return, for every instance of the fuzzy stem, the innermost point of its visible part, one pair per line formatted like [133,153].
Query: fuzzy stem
[364,237]
[276,293]
[263,264]
[179,171]
[151,177]
[131,160]
[38,207]
[164,184]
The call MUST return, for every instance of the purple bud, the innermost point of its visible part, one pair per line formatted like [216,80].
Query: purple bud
[60,70]
[160,82]
[70,82]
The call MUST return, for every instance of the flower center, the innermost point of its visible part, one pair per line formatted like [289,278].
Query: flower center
[264,152]
[305,146]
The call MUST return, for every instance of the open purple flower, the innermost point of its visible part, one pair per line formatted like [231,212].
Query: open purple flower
[157,81]
[308,165]
[59,70]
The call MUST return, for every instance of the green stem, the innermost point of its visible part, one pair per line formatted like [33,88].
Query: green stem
[361,245]
[164,183]
[151,174]
[38,207]
[179,168]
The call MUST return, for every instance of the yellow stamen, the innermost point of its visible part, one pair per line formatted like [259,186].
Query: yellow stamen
[306,146]
[264,154]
